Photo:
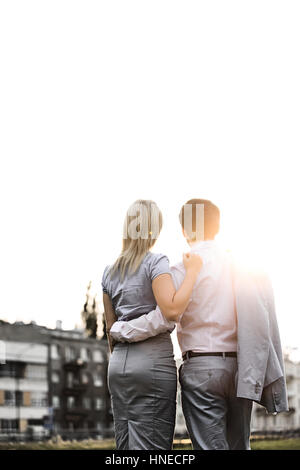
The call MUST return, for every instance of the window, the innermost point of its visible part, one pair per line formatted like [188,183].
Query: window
[84,354]
[9,425]
[84,378]
[55,377]
[9,398]
[292,420]
[55,402]
[87,403]
[70,354]
[39,399]
[56,427]
[7,370]
[98,376]
[70,379]
[13,398]
[70,402]
[19,398]
[97,356]
[98,381]
[99,426]
[12,369]
[54,351]
[98,404]
[35,422]
[34,371]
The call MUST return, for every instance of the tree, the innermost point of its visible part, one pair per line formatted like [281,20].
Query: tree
[89,314]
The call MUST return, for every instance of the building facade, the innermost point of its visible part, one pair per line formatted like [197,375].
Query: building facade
[53,381]
[286,421]
[23,387]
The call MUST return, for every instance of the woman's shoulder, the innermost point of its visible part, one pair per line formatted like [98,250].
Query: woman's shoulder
[106,271]
[153,258]
[157,264]
[105,278]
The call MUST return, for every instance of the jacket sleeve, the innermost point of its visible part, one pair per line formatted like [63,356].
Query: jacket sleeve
[253,336]
[274,396]
[260,360]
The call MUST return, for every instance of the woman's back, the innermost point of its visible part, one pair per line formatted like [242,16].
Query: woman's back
[132,296]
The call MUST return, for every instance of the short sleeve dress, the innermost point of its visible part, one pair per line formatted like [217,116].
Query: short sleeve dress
[142,376]
[133,296]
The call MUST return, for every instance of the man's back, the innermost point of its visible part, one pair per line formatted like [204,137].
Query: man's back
[209,322]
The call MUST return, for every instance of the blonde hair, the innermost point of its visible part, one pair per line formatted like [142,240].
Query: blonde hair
[142,226]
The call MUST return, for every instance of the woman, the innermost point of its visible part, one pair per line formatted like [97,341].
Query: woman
[142,377]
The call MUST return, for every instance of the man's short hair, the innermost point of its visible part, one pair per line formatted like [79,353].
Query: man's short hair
[207,227]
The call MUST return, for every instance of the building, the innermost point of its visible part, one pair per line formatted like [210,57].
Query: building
[287,421]
[24,387]
[78,391]
[53,381]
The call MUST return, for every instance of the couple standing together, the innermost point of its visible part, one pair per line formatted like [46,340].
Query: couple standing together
[226,328]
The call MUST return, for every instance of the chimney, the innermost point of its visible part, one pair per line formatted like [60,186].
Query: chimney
[58,324]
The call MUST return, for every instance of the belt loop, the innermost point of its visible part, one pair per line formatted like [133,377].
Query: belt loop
[187,356]
[224,355]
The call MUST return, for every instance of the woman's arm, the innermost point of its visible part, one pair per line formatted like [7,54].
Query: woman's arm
[171,303]
[110,318]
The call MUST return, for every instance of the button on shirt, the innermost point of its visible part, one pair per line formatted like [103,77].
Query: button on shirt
[209,322]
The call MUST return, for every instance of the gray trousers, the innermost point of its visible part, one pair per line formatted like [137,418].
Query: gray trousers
[142,380]
[216,419]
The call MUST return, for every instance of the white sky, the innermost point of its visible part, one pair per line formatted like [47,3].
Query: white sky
[104,102]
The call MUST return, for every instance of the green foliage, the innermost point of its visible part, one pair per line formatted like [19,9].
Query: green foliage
[281,444]
[107,444]
[88,444]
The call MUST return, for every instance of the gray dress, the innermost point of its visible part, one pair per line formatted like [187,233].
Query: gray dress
[142,377]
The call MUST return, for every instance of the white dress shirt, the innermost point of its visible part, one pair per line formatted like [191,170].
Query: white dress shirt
[209,322]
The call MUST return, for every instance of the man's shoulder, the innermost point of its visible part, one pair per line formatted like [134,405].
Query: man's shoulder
[178,268]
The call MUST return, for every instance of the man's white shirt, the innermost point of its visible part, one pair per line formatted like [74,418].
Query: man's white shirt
[209,321]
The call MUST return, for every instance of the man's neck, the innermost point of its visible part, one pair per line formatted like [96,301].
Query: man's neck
[197,242]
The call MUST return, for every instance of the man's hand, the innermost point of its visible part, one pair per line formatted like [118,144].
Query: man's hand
[192,262]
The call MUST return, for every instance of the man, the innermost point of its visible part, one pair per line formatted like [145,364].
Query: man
[228,336]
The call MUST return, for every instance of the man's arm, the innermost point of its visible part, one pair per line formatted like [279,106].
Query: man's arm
[139,329]
[148,325]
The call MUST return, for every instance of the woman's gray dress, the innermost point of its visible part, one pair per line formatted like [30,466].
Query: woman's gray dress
[142,377]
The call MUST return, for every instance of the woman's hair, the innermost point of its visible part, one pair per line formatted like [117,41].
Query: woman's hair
[142,226]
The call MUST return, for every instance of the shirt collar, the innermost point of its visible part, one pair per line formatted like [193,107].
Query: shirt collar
[204,244]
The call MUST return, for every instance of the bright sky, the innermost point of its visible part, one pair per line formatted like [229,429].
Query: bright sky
[104,102]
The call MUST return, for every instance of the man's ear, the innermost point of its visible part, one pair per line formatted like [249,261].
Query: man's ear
[185,235]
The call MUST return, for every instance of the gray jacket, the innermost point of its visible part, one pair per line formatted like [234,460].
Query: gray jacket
[260,361]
